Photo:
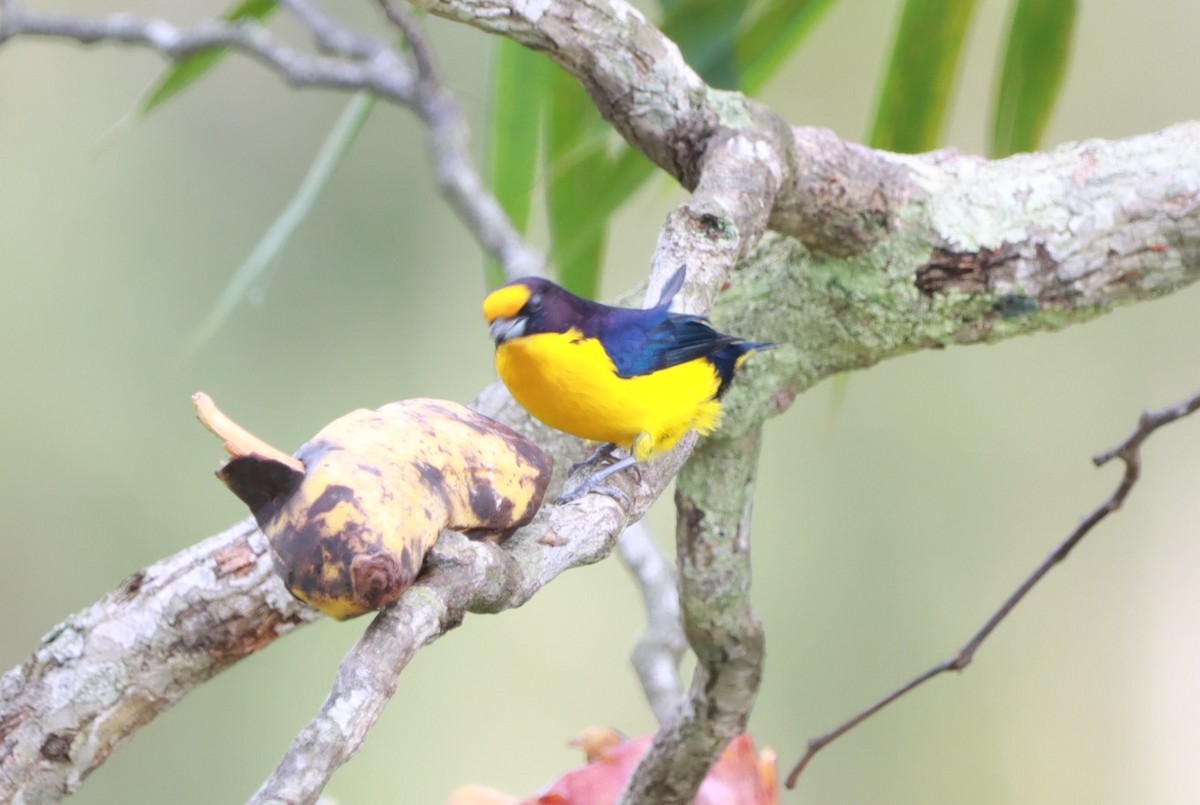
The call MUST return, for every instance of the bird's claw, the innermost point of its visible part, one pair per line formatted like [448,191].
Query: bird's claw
[602,454]
[617,494]
[620,495]
[595,483]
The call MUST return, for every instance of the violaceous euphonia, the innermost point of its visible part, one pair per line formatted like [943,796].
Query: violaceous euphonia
[633,378]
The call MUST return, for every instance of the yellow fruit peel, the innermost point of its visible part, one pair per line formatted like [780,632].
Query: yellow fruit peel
[349,533]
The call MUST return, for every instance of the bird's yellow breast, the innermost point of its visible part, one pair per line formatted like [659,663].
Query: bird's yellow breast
[571,384]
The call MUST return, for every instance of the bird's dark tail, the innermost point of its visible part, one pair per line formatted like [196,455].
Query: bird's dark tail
[728,359]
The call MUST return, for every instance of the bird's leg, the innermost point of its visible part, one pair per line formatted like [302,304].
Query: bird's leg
[602,453]
[595,483]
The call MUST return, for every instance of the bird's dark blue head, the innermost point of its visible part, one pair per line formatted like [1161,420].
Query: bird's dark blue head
[535,305]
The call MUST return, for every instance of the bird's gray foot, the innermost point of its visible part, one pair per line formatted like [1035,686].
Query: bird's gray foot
[601,455]
[595,483]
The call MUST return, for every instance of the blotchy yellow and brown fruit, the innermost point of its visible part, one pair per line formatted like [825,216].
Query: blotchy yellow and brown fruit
[349,532]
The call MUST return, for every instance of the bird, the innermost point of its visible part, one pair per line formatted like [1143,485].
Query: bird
[634,378]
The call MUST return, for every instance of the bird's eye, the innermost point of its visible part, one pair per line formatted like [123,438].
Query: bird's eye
[534,304]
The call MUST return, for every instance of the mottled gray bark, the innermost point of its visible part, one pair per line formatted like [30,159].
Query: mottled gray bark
[106,671]
[714,498]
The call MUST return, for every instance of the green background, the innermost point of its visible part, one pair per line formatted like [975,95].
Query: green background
[887,526]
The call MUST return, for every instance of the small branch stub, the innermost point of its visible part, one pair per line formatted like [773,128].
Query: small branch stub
[238,441]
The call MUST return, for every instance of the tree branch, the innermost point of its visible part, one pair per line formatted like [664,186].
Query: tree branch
[448,139]
[713,498]
[836,198]
[717,227]
[366,680]
[992,220]
[105,672]
[993,250]
[109,670]
[874,255]
[461,576]
[659,650]
[626,64]
[828,315]
[384,72]
[333,37]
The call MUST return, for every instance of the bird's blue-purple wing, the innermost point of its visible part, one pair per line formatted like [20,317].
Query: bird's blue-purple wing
[643,341]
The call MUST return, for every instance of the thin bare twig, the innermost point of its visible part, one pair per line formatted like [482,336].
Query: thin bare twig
[449,142]
[1129,451]
[660,648]
[384,73]
[360,62]
[330,35]
[422,55]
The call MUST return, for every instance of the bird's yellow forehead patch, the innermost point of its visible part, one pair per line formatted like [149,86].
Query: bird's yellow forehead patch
[505,302]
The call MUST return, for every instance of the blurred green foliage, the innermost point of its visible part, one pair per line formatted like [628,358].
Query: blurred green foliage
[188,71]
[574,144]
[919,80]
[516,112]
[1035,64]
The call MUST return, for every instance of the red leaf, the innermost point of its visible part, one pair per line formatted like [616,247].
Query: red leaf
[741,777]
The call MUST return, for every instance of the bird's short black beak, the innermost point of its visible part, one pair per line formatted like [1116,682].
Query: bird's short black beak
[508,329]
